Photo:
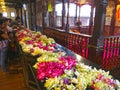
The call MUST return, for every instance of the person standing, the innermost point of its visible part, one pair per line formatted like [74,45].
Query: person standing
[6,25]
[1,16]
[3,45]
[16,23]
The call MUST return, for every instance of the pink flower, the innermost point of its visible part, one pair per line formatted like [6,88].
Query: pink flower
[49,69]
[31,50]
[68,61]
[29,42]
[54,69]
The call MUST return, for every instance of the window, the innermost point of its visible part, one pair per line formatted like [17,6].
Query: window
[5,14]
[58,9]
[85,11]
[12,14]
[84,14]
[24,7]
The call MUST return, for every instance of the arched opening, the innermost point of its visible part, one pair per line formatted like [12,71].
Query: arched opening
[85,11]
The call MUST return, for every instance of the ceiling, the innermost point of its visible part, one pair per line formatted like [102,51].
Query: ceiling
[14,3]
[78,1]
[17,1]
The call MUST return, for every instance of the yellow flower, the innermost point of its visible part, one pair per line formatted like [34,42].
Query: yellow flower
[37,51]
[52,83]
[48,57]
[36,65]
[57,88]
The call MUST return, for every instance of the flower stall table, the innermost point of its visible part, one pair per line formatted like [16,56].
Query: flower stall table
[29,72]
[28,61]
[50,66]
[30,76]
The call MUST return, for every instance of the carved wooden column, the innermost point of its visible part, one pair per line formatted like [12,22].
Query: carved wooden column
[76,12]
[25,18]
[91,19]
[33,14]
[21,15]
[63,14]
[97,40]
[53,13]
[43,10]
[17,11]
[112,26]
[30,14]
[34,9]
[51,9]
[67,21]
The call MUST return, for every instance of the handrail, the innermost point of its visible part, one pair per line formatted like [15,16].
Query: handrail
[79,43]
[111,36]
[60,30]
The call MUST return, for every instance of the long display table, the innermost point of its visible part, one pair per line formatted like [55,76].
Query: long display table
[50,66]
[29,72]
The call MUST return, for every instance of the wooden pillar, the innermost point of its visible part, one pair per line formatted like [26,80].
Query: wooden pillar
[21,15]
[91,19]
[53,13]
[97,40]
[43,14]
[25,18]
[67,21]
[17,11]
[79,12]
[18,8]
[30,14]
[113,20]
[63,14]
[51,9]
[76,12]
[35,23]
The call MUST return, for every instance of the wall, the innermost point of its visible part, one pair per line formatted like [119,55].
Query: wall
[9,10]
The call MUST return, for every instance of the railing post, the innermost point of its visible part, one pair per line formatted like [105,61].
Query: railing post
[97,40]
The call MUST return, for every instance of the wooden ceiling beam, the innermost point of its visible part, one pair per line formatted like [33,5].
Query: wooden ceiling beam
[11,1]
[15,3]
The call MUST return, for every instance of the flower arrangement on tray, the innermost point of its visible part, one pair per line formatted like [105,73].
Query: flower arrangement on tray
[60,71]
[35,43]
[66,73]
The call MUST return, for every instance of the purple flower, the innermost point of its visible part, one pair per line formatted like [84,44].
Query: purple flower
[66,81]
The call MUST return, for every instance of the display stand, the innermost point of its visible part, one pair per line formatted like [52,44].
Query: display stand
[28,61]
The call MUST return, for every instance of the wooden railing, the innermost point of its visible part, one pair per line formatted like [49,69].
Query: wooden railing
[79,44]
[75,42]
[111,51]
[88,30]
